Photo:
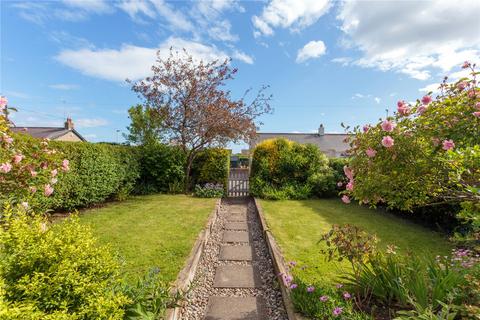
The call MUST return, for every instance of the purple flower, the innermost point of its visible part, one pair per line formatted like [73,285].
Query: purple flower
[310,289]
[346,295]
[339,285]
[292,263]
[293,286]
[337,311]
[323,298]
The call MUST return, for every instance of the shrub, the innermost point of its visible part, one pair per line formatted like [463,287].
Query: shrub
[162,168]
[209,190]
[211,166]
[283,169]
[55,271]
[98,172]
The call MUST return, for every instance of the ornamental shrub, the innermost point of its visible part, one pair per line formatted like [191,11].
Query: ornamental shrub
[211,166]
[98,172]
[282,169]
[55,271]
[209,190]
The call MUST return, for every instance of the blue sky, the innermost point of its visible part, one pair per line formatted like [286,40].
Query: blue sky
[325,61]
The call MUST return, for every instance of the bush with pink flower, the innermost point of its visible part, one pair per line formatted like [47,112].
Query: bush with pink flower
[426,153]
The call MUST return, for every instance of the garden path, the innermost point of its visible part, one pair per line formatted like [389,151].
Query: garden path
[235,278]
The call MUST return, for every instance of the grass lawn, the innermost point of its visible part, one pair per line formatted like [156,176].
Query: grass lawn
[151,231]
[298,225]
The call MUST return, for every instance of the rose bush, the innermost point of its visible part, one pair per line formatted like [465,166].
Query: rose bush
[427,153]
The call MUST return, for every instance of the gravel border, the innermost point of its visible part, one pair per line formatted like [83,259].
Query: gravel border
[202,286]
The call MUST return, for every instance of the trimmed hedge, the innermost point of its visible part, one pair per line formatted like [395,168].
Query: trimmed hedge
[283,169]
[211,166]
[97,172]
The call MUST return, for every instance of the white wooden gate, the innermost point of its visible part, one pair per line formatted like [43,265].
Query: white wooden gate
[238,182]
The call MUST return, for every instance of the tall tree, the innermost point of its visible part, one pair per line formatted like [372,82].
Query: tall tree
[146,125]
[197,110]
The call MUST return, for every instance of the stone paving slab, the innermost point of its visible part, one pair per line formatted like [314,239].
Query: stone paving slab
[236,308]
[237,217]
[236,253]
[235,236]
[236,226]
[235,276]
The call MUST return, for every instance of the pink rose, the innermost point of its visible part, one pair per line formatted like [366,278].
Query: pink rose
[345,199]
[421,109]
[402,108]
[461,85]
[48,190]
[477,114]
[348,172]
[17,158]
[5,167]
[370,152]
[448,145]
[65,165]
[3,102]
[350,185]
[426,99]
[388,125]
[387,142]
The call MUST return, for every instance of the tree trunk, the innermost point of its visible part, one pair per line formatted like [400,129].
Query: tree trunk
[188,168]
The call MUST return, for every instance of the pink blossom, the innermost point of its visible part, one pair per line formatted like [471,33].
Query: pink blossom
[348,172]
[5,167]
[338,285]
[7,139]
[366,128]
[54,172]
[48,190]
[477,114]
[33,173]
[293,286]
[371,152]
[346,295]
[402,108]
[345,199]
[426,99]
[310,289]
[337,311]
[324,298]
[472,93]
[477,105]
[461,85]
[466,65]
[17,158]
[44,165]
[388,125]
[350,185]
[33,189]
[387,142]
[448,145]
[3,102]
[65,165]
[421,109]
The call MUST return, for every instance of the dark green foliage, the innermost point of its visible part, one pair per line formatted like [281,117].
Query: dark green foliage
[211,166]
[97,172]
[283,169]
[162,169]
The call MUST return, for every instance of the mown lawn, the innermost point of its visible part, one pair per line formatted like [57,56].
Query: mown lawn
[298,226]
[151,231]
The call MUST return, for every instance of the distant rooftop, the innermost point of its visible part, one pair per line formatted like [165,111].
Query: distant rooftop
[52,133]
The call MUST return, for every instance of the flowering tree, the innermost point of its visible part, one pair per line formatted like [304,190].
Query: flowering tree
[196,111]
[29,168]
[427,153]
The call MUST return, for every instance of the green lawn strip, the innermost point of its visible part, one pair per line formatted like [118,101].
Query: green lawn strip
[298,226]
[151,231]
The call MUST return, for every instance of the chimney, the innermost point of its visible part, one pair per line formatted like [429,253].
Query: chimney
[69,124]
[321,130]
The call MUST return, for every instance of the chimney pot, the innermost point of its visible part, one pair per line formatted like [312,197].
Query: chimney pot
[321,130]
[69,124]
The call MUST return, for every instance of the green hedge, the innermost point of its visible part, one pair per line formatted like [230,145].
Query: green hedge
[97,172]
[283,169]
[211,166]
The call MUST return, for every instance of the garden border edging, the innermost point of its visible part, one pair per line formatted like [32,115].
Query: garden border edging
[278,263]
[186,275]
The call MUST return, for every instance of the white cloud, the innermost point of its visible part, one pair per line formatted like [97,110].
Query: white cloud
[412,37]
[90,123]
[134,62]
[312,50]
[377,100]
[293,14]
[175,18]
[97,6]
[63,86]
[135,7]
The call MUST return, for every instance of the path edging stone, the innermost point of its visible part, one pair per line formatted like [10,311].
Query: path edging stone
[186,275]
[278,263]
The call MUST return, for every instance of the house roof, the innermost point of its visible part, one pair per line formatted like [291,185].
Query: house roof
[328,142]
[46,132]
